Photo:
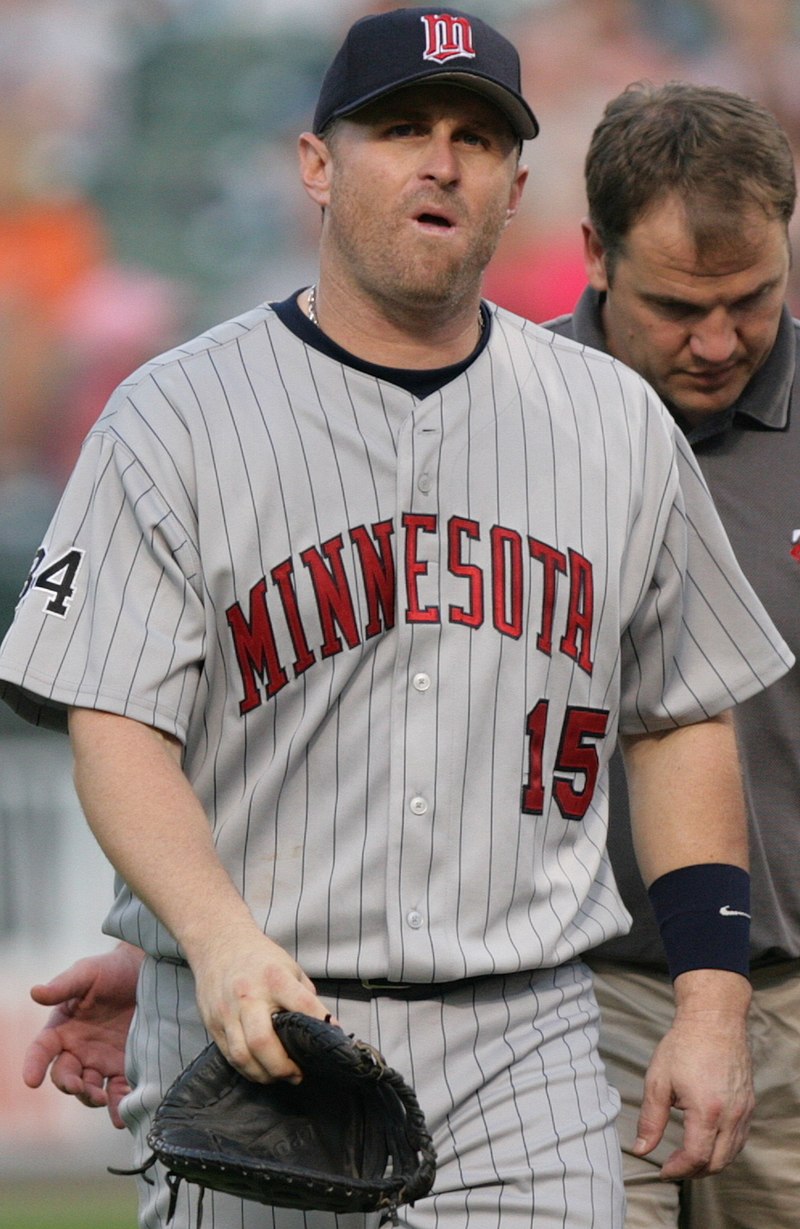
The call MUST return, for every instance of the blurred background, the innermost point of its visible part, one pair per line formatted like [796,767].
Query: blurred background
[148,189]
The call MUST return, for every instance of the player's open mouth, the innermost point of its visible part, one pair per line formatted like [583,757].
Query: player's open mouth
[436,221]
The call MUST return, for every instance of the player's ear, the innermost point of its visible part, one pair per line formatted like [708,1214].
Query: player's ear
[594,257]
[517,187]
[315,167]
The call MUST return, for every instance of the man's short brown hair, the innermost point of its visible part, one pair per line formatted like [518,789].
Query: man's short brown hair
[722,153]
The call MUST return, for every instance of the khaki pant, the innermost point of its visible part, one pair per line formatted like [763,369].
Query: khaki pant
[761,1188]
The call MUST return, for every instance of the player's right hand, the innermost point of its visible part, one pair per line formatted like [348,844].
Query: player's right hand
[83,1042]
[242,978]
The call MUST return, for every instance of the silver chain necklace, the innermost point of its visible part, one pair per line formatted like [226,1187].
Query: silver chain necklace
[311,311]
[312,305]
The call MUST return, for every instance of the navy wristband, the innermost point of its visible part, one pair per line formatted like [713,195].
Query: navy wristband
[703,913]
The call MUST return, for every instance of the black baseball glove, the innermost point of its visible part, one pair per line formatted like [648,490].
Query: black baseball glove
[350,1138]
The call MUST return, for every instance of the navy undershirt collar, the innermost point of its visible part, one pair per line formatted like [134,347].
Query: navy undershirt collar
[419,383]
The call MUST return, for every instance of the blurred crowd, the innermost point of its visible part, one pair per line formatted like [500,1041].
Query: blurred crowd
[148,184]
[577,54]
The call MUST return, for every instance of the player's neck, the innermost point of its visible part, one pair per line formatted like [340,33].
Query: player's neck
[413,339]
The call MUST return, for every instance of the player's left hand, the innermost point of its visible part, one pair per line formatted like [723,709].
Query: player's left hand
[703,1068]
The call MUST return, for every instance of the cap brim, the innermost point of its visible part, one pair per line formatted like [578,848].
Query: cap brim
[515,109]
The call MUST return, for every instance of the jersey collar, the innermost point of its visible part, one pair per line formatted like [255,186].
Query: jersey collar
[420,383]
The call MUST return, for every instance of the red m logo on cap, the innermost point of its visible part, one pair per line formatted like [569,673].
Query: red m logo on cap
[447,37]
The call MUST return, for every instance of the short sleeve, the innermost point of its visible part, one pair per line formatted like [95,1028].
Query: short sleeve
[700,640]
[111,615]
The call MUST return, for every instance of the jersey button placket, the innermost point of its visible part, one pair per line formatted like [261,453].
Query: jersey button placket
[415,710]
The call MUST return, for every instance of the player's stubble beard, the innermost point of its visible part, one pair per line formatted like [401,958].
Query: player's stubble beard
[406,271]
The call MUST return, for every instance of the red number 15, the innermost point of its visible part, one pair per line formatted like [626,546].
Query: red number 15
[577,762]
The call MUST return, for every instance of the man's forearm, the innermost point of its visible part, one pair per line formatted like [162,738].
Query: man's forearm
[686,800]
[152,827]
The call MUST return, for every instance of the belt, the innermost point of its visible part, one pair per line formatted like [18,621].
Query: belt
[369,988]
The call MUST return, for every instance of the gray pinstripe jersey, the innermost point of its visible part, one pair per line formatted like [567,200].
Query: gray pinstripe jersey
[396,635]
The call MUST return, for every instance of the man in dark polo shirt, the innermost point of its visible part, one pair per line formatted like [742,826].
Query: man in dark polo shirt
[690,193]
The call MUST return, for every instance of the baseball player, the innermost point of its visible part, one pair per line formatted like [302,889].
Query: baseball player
[344,606]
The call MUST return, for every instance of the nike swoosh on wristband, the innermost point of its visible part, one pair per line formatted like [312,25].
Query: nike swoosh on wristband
[726,911]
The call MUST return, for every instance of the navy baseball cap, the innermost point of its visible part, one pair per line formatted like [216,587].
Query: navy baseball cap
[387,51]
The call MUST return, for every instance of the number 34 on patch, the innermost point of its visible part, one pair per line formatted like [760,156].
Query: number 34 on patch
[57,579]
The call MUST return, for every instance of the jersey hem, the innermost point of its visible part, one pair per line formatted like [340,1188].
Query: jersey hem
[774,669]
[49,710]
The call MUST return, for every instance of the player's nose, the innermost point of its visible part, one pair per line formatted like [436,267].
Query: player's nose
[439,159]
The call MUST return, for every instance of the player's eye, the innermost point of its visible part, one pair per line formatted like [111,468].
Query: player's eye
[406,128]
[473,138]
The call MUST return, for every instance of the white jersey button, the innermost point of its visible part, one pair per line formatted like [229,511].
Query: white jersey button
[425,482]
[418,805]
[415,919]
[422,681]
